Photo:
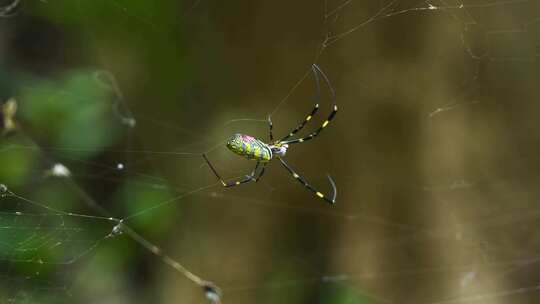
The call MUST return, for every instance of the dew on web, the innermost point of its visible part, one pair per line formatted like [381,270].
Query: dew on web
[58,170]
[3,189]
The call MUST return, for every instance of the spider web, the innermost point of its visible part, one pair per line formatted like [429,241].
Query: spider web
[105,197]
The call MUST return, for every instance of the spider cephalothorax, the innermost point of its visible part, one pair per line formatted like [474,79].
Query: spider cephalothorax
[279,149]
[255,149]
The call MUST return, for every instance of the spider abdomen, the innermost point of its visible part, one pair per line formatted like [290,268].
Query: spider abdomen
[249,147]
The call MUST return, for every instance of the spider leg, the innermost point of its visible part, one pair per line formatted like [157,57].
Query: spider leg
[301,126]
[305,183]
[316,71]
[256,179]
[270,128]
[252,177]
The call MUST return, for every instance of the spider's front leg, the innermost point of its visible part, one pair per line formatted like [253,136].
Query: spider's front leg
[270,128]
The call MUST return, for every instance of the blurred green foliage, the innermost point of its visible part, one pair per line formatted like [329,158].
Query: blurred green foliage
[17,164]
[342,294]
[71,112]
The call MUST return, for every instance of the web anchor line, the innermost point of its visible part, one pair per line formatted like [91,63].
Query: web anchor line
[211,290]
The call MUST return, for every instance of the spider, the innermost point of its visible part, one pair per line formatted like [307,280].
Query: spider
[255,149]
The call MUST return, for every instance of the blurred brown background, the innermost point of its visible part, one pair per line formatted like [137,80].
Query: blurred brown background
[434,151]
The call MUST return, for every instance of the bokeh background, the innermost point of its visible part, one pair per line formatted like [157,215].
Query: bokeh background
[434,151]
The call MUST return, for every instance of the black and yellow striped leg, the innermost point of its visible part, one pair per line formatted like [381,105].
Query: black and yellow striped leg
[314,134]
[252,177]
[303,124]
[317,71]
[256,179]
[305,183]
[270,129]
